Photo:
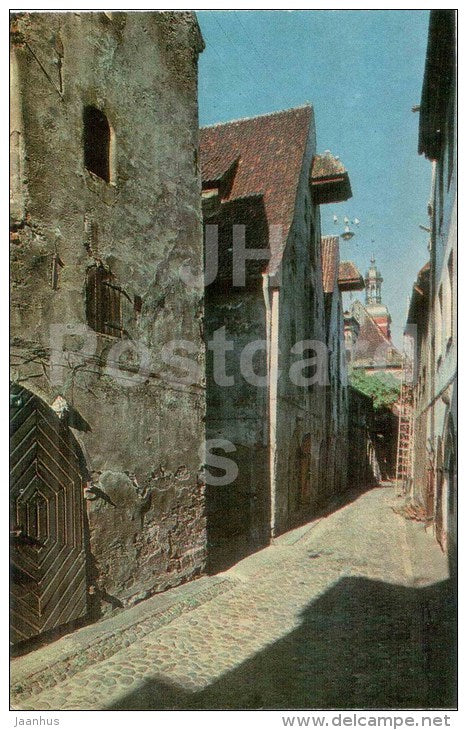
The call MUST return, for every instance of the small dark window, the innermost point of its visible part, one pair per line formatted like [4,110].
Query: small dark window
[103,302]
[137,304]
[96,142]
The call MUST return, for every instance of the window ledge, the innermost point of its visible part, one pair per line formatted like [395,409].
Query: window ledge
[108,190]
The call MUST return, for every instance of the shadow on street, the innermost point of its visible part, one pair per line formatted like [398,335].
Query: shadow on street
[363,644]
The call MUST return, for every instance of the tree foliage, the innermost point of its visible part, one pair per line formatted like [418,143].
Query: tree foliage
[382,388]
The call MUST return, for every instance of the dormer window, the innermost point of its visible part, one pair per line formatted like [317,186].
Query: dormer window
[211,202]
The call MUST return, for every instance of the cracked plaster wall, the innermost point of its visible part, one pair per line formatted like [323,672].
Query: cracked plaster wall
[141,442]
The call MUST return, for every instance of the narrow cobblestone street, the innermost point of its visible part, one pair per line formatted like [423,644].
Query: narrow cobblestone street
[332,615]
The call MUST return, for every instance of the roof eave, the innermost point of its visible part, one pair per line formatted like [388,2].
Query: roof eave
[351,284]
[417,303]
[335,189]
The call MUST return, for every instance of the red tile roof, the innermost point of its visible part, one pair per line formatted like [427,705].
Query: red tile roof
[219,169]
[326,166]
[270,151]
[329,262]
[349,278]
[372,347]
[329,179]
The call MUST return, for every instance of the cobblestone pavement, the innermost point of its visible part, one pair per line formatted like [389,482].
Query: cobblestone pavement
[352,611]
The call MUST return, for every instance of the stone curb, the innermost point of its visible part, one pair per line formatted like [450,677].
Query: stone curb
[48,666]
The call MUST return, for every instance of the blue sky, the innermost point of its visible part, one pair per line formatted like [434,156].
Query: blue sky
[362,71]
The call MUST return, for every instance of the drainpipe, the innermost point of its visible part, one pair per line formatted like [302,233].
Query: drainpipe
[267,304]
[271,301]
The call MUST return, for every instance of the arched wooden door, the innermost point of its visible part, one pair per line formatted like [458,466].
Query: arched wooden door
[48,571]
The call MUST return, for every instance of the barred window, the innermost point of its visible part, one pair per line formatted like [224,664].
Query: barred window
[104,302]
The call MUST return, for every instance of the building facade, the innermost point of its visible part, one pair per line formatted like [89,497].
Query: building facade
[107,505]
[338,277]
[262,186]
[432,320]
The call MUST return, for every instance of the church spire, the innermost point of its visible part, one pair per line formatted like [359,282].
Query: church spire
[373,302]
[373,281]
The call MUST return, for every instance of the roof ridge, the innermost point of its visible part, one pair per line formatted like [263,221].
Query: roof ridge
[258,116]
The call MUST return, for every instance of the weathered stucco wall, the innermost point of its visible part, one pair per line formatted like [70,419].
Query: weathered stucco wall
[301,410]
[336,397]
[424,457]
[238,513]
[141,442]
[363,466]
[291,450]
[434,330]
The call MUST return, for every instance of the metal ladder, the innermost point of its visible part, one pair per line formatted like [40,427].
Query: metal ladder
[405,435]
